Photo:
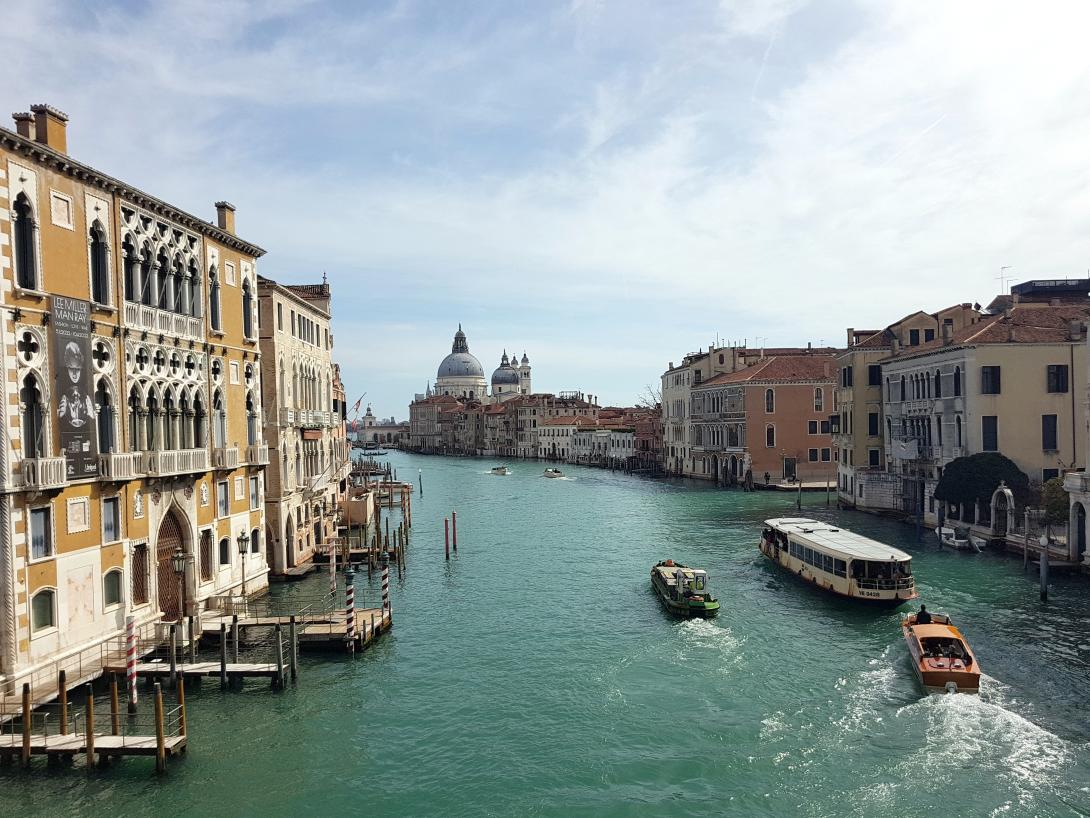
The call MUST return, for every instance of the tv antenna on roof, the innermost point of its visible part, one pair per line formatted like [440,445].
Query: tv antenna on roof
[1004,278]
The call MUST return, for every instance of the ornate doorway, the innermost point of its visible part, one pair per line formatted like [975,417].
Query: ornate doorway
[170,537]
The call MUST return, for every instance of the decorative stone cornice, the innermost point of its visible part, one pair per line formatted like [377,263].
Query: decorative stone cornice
[60,163]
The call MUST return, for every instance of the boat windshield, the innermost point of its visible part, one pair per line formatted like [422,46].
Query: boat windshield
[886,574]
[699,581]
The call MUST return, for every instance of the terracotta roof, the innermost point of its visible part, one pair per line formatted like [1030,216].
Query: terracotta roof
[782,369]
[1031,323]
[570,420]
[880,340]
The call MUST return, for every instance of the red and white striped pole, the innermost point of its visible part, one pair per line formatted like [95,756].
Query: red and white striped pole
[350,608]
[130,660]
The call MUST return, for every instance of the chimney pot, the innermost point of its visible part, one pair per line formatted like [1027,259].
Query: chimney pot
[24,124]
[225,216]
[50,127]
[895,346]
[851,336]
[1075,329]
[947,333]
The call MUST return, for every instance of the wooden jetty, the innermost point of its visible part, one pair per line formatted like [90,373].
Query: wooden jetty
[28,733]
[295,573]
[319,630]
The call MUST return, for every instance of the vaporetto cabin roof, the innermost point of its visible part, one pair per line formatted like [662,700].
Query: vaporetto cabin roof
[836,540]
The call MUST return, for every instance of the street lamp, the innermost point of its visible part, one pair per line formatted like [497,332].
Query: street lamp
[243,547]
[177,560]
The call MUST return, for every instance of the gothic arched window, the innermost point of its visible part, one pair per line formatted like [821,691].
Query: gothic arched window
[247,310]
[26,255]
[129,271]
[33,418]
[770,401]
[100,274]
[105,413]
[214,299]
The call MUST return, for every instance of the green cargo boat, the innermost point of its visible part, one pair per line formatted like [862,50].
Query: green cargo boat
[683,590]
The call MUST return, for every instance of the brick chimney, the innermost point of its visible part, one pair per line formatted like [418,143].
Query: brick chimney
[225,216]
[947,333]
[24,125]
[50,127]
[851,336]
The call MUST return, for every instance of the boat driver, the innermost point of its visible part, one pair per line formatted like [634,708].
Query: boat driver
[923,617]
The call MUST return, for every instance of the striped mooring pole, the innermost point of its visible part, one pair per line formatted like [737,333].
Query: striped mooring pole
[333,570]
[130,660]
[350,608]
[385,586]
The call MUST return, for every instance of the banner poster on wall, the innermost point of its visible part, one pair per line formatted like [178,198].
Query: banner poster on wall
[73,399]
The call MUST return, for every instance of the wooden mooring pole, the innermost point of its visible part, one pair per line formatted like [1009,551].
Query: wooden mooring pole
[234,636]
[278,683]
[182,726]
[115,707]
[27,715]
[223,655]
[62,698]
[1044,572]
[446,537]
[454,529]
[192,642]
[173,655]
[350,610]
[293,636]
[160,732]
[90,715]
[130,661]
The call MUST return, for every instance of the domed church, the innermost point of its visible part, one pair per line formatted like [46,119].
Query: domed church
[461,374]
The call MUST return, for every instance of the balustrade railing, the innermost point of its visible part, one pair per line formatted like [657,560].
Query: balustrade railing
[258,454]
[178,461]
[44,472]
[121,465]
[152,319]
[225,457]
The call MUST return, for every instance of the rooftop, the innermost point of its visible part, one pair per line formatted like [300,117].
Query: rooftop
[839,540]
[781,369]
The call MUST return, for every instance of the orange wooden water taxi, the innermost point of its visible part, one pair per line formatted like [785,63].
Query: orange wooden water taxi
[941,656]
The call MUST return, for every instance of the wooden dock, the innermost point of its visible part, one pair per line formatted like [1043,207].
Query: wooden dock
[327,630]
[295,573]
[104,744]
[196,670]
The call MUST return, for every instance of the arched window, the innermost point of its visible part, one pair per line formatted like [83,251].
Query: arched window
[193,283]
[100,274]
[904,396]
[225,551]
[177,286]
[957,383]
[33,418]
[957,430]
[938,384]
[105,413]
[770,401]
[26,248]
[770,436]
[219,421]
[927,384]
[251,420]
[151,439]
[134,420]
[111,588]
[43,610]
[889,390]
[214,299]
[170,417]
[147,278]
[129,271]
[255,541]
[162,280]
[819,399]
[199,436]
[247,310]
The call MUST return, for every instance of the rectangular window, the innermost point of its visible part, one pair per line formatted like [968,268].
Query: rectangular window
[111,520]
[929,335]
[913,337]
[825,427]
[989,433]
[1049,474]
[812,427]
[255,493]
[280,317]
[1048,433]
[206,556]
[847,376]
[41,533]
[874,375]
[826,455]
[293,322]
[140,574]
[813,455]
[223,499]
[872,424]
[1057,378]
[989,380]
[874,461]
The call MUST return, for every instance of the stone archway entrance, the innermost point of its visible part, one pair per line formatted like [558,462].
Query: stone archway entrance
[1002,509]
[170,538]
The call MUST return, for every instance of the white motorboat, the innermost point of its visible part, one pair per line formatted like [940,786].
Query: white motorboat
[960,541]
[553,473]
[500,470]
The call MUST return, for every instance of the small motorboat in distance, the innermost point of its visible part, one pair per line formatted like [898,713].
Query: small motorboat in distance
[959,540]
[500,470]
[683,590]
[553,473]
[941,656]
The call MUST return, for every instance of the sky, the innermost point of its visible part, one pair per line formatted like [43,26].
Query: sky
[603,185]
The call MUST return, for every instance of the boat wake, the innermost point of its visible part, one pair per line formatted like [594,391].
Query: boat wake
[867,694]
[698,636]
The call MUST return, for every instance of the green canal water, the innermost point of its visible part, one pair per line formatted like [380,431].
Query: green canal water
[536,674]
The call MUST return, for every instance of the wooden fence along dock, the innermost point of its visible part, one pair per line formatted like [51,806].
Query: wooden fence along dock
[58,731]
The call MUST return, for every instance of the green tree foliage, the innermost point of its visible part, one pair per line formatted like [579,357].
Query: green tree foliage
[976,477]
[1054,501]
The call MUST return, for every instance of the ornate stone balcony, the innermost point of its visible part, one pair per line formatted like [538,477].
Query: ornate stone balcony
[225,457]
[151,319]
[179,461]
[41,473]
[258,454]
[121,465]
